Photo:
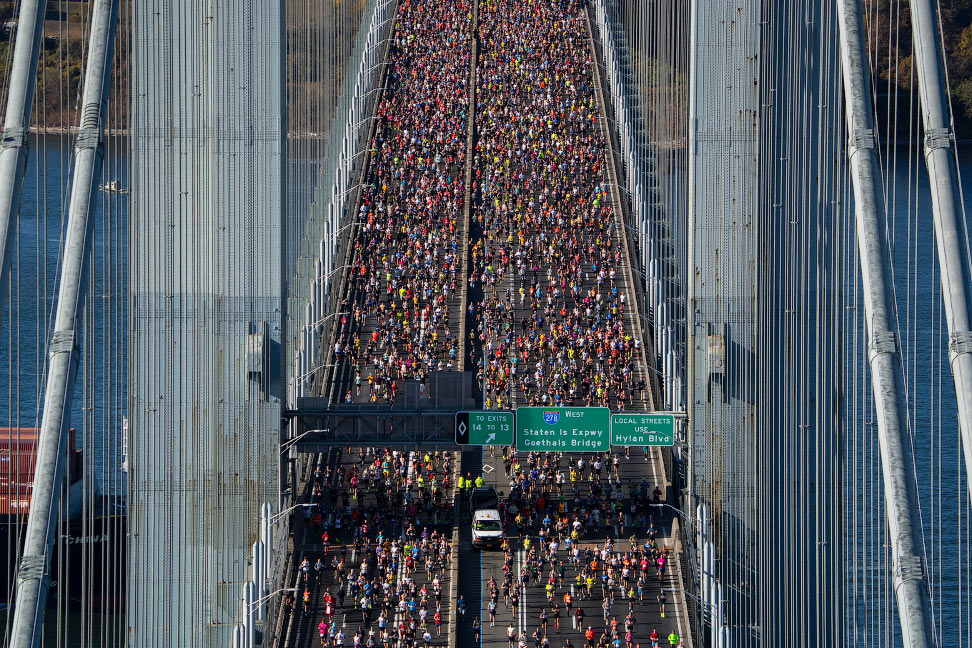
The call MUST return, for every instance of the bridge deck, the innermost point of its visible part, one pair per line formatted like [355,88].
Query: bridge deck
[395,508]
[553,266]
[551,299]
[556,315]
[402,302]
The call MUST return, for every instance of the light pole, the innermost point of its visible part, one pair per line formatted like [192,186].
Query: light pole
[327,276]
[361,122]
[321,321]
[617,186]
[269,596]
[355,186]
[351,158]
[285,446]
[379,87]
[375,66]
[314,371]
[677,510]
[244,634]
[703,518]
[276,516]
[367,150]
[710,606]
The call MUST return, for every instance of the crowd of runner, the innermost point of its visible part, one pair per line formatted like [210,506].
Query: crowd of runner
[407,256]
[548,262]
[573,494]
[570,514]
[384,520]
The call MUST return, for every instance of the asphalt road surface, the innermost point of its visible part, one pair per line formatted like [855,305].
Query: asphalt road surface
[349,617]
[476,567]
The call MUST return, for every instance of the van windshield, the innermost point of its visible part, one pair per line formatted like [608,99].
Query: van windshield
[488,525]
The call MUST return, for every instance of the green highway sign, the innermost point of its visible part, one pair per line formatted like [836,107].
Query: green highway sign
[484,428]
[567,429]
[642,429]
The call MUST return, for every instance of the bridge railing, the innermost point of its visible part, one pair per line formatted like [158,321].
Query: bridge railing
[320,267]
[319,271]
[614,163]
[647,223]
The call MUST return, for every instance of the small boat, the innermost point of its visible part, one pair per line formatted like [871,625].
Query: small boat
[113,186]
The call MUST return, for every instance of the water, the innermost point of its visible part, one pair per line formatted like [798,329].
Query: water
[99,399]
[942,488]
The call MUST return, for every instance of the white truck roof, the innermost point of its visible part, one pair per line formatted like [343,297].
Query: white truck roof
[486,514]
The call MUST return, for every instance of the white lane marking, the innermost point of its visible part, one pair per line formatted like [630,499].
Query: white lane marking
[678,615]
[520,556]
[654,471]
[482,599]
[398,583]
[401,554]
[482,581]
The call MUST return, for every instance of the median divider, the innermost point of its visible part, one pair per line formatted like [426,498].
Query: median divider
[454,589]
[467,199]
[454,554]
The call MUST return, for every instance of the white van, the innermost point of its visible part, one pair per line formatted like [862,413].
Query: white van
[487,528]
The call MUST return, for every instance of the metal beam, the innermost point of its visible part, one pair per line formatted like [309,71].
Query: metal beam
[949,217]
[900,489]
[13,146]
[320,429]
[33,578]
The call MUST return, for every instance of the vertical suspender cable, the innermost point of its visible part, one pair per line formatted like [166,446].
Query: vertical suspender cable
[13,146]
[948,213]
[690,262]
[33,577]
[887,381]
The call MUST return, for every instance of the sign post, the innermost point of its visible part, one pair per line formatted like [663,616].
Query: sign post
[567,429]
[642,429]
[486,428]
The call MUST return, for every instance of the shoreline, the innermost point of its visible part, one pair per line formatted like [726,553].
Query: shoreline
[125,132]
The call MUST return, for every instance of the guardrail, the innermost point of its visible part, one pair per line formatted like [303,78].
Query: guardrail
[279,633]
[646,218]
[454,561]
[327,235]
[350,227]
[623,212]
[467,205]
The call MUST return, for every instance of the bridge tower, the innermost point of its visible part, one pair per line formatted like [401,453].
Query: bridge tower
[207,310]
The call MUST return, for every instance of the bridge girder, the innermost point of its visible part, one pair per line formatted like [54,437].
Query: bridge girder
[318,429]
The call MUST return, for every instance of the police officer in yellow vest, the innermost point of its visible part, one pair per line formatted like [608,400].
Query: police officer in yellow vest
[480,481]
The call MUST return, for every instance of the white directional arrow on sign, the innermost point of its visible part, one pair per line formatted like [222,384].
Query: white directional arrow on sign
[490,438]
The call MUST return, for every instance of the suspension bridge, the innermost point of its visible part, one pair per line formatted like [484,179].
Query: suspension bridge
[293,291]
